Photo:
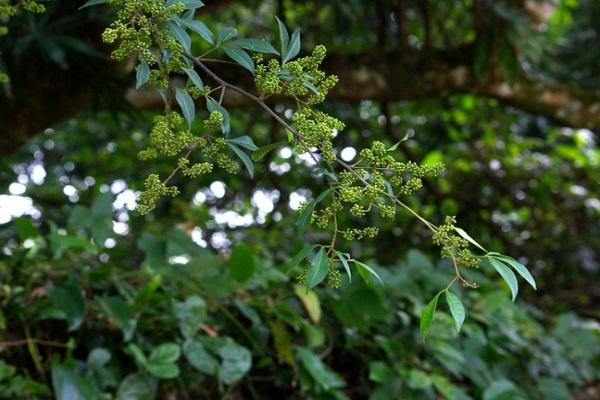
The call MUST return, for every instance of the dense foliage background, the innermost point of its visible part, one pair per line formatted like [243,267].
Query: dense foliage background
[192,301]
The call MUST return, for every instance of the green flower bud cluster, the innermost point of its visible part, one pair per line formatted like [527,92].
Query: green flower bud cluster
[34,6]
[316,128]
[334,279]
[155,189]
[358,234]
[164,136]
[453,246]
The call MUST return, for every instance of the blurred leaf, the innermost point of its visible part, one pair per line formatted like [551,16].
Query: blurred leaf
[236,362]
[26,228]
[379,372]
[456,309]
[72,242]
[365,271]
[165,353]
[319,267]
[93,3]
[98,357]
[70,299]
[500,390]
[310,301]
[67,384]
[509,277]
[300,256]
[427,315]
[163,371]
[142,75]
[154,250]
[283,342]
[137,386]
[123,315]
[199,358]
[191,314]
[242,263]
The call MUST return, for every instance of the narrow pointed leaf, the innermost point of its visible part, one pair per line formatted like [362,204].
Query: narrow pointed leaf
[319,266]
[195,78]
[304,218]
[520,268]
[456,309]
[394,147]
[142,75]
[192,4]
[365,266]
[263,151]
[284,37]
[311,87]
[226,34]
[182,37]
[324,171]
[466,236]
[187,106]
[244,141]
[198,27]
[506,274]
[293,47]
[257,45]
[240,57]
[92,3]
[427,315]
[344,260]
[301,255]
[244,157]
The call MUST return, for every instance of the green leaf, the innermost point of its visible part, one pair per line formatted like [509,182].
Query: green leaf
[137,353]
[263,151]
[72,242]
[137,386]
[405,138]
[360,265]
[293,47]
[344,260]
[257,45]
[123,315]
[314,366]
[226,34]
[187,106]
[180,34]
[154,249]
[311,303]
[456,309]
[506,274]
[192,4]
[517,266]
[71,301]
[163,371]
[195,78]
[67,384]
[311,87]
[191,314]
[165,353]
[304,219]
[284,37]
[301,255]
[319,266]
[500,390]
[244,141]
[198,27]
[98,357]
[142,75]
[427,315]
[92,3]
[199,358]
[241,263]
[236,362]
[240,57]
[466,236]
[244,157]
[26,228]
[212,106]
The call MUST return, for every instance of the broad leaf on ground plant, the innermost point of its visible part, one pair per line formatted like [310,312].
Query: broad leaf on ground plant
[200,359]
[121,313]
[236,362]
[509,277]
[71,301]
[319,267]
[137,386]
[68,384]
[242,263]
[427,315]
[191,314]
[311,303]
[456,309]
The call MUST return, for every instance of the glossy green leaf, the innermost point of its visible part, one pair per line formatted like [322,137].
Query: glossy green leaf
[427,315]
[194,77]
[370,270]
[192,4]
[284,37]
[180,34]
[68,384]
[466,236]
[198,27]
[263,151]
[301,255]
[325,172]
[293,47]
[344,260]
[142,74]
[137,353]
[165,353]
[226,34]
[319,267]
[235,364]
[212,106]
[506,273]
[240,57]
[199,358]
[186,103]
[517,266]
[163,371]
[70,300]
[191,314]
[93,3]
[257,45]
[312,87]
[137,386]
[244,157]
[245,142]
[457,310]
[242,263]
[314,366]
[121,313]
[395,146]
